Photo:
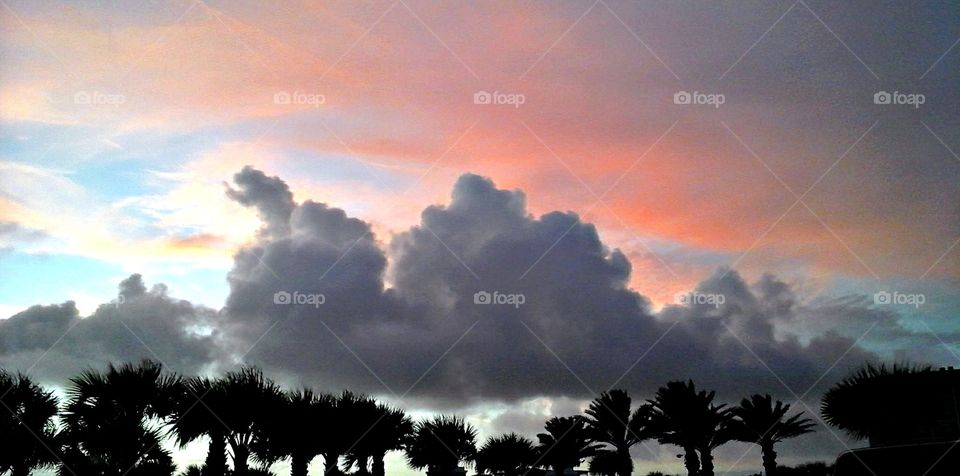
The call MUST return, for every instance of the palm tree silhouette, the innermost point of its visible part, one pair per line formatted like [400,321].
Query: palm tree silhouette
[27,426]
[378,429]
[861,403]
[110,420]
[233,412]
[391,434]
[193,418]
[605,463]
[682,416]
[364,418]
[291,430]
[759,420]
[717,430]
[610,421]
[249,399]
[506,455]
[566,442]
[113,424]
[192,470]
[441,444]
[338,412]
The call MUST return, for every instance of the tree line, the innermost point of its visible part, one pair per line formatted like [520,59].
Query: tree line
[112,423]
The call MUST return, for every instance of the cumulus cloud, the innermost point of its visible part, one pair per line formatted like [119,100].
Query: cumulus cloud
[306,249]
[580,329]
[318,299]
[54,341]
[270,196]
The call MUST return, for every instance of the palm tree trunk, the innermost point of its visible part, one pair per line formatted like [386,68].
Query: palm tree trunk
[624,462]
[706,462]
[691,461]
[298,464]
[769,459]
[216,462]
[240,456]
[378,467]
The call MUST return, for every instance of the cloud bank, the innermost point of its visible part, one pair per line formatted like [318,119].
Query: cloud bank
[317,299]
[400,317]
[54,341]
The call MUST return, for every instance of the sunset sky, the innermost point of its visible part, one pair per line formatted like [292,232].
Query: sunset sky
[230,150]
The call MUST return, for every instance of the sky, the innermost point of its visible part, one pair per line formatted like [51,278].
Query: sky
[759,196]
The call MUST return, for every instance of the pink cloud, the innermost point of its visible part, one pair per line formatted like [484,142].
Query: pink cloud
[397,84]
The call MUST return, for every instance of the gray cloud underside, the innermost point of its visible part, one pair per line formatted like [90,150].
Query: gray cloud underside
[579,331]
[54,342]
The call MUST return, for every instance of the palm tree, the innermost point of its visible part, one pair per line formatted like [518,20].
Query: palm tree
[378,430]
[673,413]
[243,402]
[717,430]
[861,403]
[192,470]
[441,444]
[566,442]
[605,463]
[391,434]
[193,418]
[611,421]
[111,420]
[338,412]
[292,431]
[682,416]
[231,411]
[506,455]
[759,420]
[26,425]
[364,417]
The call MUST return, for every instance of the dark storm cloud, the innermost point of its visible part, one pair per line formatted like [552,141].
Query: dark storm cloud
[911,337]
[310,250]
[54,341]
[368,338]
[36,328]
[577,312]
[737,346]
[309,303]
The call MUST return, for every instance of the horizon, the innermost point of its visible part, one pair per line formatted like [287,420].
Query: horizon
[496,210]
